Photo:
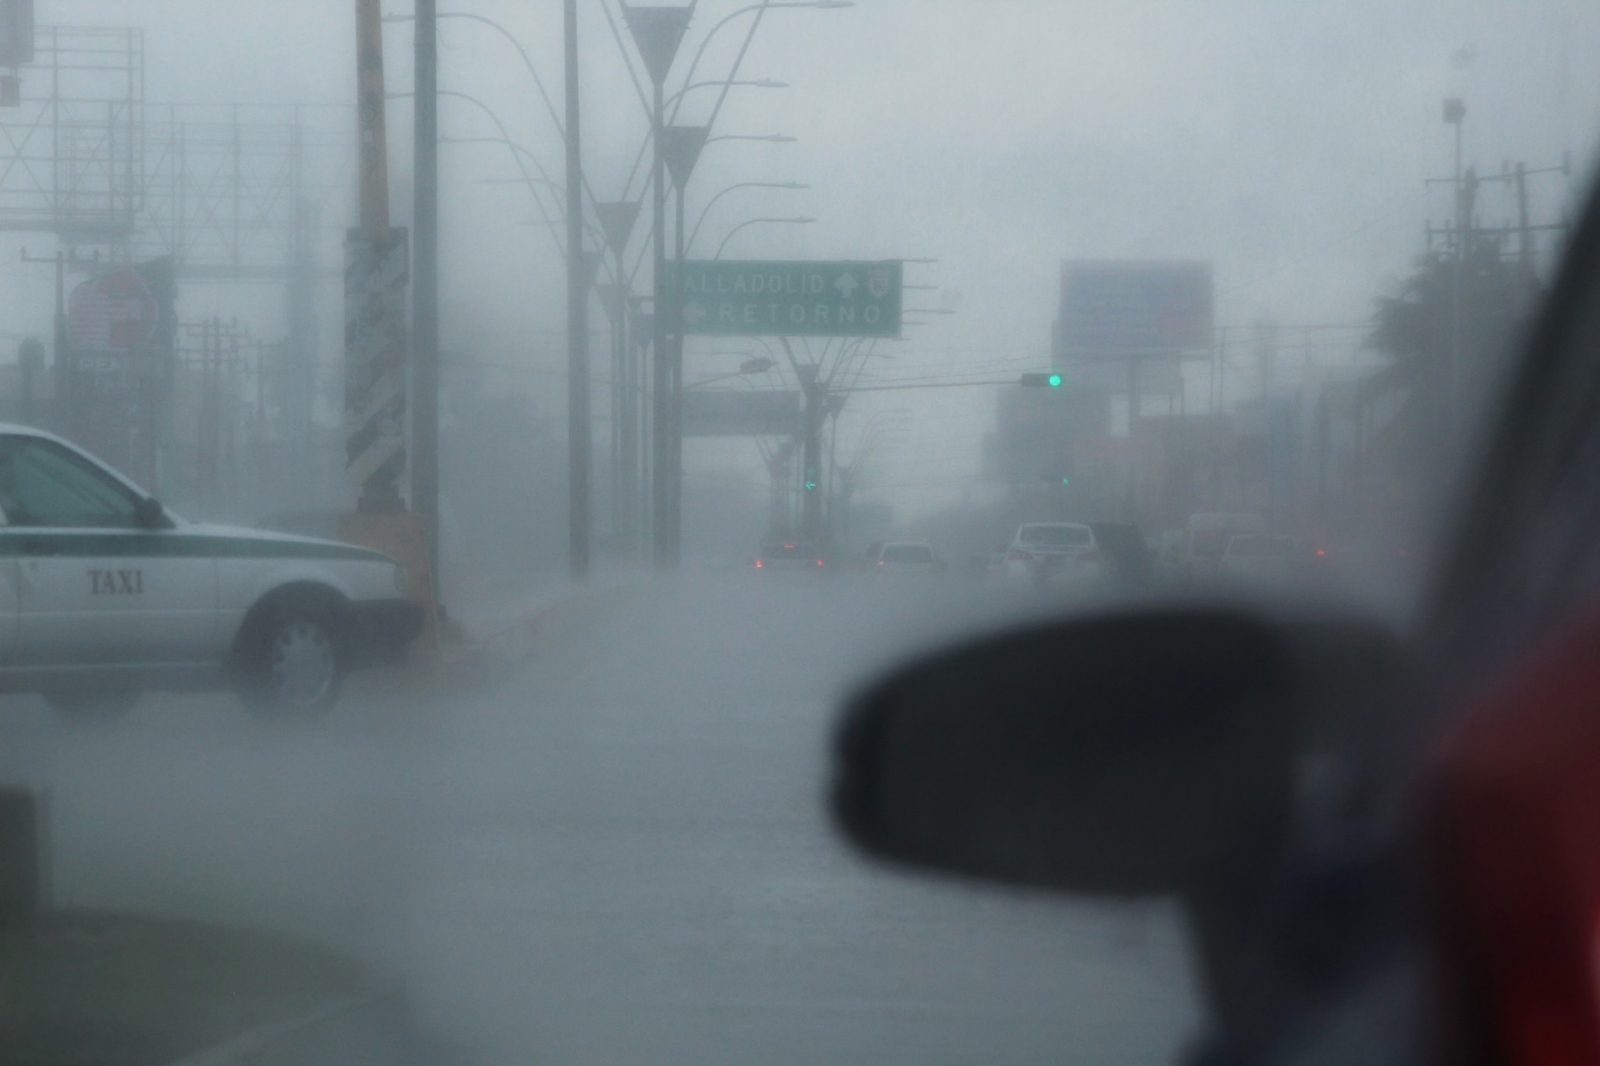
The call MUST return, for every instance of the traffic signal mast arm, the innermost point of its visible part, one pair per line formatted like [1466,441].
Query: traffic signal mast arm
[1052,381]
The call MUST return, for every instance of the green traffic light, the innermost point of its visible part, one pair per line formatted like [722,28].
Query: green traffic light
[1066,481]
[811,486]
[1054,381]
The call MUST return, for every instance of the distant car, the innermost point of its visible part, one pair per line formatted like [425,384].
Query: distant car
[1208,535]
[907,557]
[1129,560]
[790,557]
[1055,551]
[869,558]
[1260,557]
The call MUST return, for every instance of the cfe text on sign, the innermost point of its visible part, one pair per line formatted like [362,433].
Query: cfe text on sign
[730,298]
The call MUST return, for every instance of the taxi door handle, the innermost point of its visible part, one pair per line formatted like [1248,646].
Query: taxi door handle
[38,547]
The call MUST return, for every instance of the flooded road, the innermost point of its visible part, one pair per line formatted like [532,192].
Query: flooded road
[616,853]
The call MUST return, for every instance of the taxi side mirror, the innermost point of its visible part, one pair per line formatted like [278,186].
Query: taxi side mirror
[149,513]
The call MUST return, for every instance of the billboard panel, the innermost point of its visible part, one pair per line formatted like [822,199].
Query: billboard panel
[742,414]
[1110,306]
[16,32]
[117,374]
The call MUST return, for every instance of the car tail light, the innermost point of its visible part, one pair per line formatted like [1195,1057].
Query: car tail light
[880,562]
[758,564]
[819,562]
[1017,555]
[1090,557]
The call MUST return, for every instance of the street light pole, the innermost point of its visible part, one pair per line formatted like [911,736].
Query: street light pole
[675,528]
[425,291]
[661,428]
[1455,111]
[578,431]
[657,33]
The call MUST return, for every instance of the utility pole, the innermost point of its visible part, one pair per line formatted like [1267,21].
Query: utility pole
[60,356]
[578,430]
[657,33]
[661,379]
[63,371]
[425,282]
[1222,369]
[811,474]
[778,467]
[680,150]
[1524,230]
[371,108]
[1455,112]
[675,486]
[30,360]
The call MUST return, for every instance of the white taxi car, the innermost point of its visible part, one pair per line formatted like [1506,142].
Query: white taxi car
[104,595]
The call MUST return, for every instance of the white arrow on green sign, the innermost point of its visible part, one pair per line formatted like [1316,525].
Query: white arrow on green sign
[745,298]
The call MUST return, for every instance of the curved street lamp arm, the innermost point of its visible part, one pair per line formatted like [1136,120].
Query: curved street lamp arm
[505,135]
[537,81]
[749,222]
[738,61]
[593,229]
[526,61]
[695,232]
[706,40]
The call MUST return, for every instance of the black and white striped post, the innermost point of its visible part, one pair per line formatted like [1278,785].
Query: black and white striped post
[377,274]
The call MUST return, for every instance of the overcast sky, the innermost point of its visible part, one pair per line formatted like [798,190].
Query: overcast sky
[1286,142]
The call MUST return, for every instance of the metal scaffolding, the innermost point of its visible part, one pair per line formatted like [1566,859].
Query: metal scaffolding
[72,152]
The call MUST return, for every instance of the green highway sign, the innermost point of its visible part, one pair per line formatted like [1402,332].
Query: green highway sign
[732,298]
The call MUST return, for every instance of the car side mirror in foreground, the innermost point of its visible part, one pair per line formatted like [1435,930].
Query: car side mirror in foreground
[1163,752]
[1134,754]
[149,513]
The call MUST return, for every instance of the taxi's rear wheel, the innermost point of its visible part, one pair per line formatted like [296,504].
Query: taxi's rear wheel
[293,664]
[91,704]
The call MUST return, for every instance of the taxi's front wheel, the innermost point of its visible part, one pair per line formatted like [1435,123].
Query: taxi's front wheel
[293,667]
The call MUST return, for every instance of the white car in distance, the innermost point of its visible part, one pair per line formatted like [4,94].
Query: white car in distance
[104,594]
[907,557]
[1259,557]
[1055,551]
